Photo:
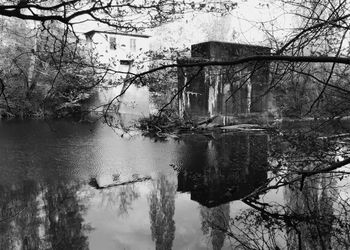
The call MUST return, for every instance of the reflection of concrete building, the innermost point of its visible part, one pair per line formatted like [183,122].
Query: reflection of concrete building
[231,92]
[223,170]
[118,50]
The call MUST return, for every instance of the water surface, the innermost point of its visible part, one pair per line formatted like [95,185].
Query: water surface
[47,202]
[66,185]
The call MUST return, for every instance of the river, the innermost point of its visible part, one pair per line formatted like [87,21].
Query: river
[67,185]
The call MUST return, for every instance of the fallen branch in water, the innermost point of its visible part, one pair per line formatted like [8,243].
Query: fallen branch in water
[207,121]
[163,125]
[93,182]
[171,126]
[243,127]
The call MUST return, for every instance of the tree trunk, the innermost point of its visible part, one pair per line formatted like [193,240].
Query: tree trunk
[31,68]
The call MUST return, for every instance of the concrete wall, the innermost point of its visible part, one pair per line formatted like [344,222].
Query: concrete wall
[231,92]
[222,51]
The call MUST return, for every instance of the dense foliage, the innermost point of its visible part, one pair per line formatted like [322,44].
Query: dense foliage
[44,71]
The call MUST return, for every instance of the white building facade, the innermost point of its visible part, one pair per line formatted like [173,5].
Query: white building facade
[122,52]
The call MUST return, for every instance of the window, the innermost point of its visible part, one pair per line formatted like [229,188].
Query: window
[132,44]
[112,43]
[88,38]
[125,62]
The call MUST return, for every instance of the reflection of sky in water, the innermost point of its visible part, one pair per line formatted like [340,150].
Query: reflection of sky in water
[132,231]
[60,152]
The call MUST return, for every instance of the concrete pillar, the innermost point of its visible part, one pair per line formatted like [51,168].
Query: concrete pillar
[249,95]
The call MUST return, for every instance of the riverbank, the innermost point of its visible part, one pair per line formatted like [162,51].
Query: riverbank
[172,126]
[42,114]
[169,125]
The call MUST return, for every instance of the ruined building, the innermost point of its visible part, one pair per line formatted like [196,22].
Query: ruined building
[234,93]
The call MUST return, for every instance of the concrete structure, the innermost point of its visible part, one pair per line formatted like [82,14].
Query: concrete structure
[122,53]
[118,50]
[236,93]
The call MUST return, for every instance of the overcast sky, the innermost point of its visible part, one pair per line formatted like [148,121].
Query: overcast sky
[247,22]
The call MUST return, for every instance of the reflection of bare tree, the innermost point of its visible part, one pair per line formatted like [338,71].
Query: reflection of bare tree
[127,195]
[35,216]
[162,209]
[309,211]
[215,222]
[19,223]
[314,203]
[313,214]
[65,224]
[124,193]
